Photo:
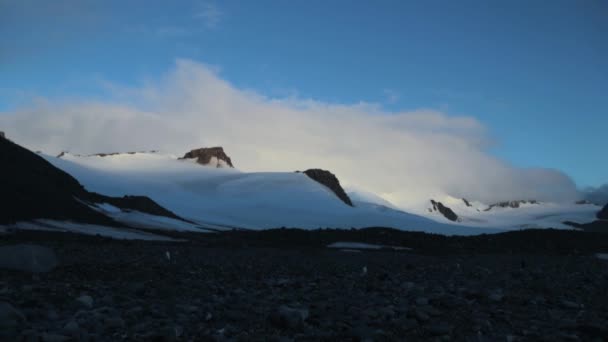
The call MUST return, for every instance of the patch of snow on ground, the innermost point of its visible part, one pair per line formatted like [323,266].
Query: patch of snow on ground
[137,219]
[361,245]
[602,256]
[89,229]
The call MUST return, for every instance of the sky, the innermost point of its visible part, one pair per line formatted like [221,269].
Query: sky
[519,87]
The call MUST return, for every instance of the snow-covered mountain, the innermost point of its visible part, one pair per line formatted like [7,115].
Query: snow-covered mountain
[228,198]
[517,213]
[202,191]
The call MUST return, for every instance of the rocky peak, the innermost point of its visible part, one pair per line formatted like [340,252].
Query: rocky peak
[445,211]
[511,204]
[329,180]
[213,156]
[2,136]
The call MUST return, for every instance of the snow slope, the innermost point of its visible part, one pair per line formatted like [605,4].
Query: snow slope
[228,198]
[528,215]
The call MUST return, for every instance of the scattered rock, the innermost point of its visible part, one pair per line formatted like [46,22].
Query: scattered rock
[286,317]
[566,304]
[28,258]
[114,322]
[496,296]
[71,328]
[10,317]
[440,328]
[86,301]
[52,337]
[422,301]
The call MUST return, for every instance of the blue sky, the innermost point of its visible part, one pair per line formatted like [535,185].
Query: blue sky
[535,73]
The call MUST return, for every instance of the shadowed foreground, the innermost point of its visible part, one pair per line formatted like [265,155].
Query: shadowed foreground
[285,285]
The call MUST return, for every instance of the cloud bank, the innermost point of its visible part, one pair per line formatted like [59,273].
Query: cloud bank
[405,157]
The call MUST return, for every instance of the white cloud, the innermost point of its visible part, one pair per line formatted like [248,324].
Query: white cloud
[405,157]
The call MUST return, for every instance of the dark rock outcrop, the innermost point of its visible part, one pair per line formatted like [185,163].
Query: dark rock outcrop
[204,156]
[2,136]
[331,181]
[32,188]
[466,202]
[603,214]
[445,211]
[511,204]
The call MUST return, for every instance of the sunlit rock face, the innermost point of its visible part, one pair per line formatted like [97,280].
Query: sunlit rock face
[210,156]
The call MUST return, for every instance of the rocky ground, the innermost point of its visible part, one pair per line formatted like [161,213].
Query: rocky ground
[286,285]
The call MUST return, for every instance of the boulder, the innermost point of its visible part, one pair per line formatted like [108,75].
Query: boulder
[10,318]
[329,180]
[28,258]
[287,317]
[213,156]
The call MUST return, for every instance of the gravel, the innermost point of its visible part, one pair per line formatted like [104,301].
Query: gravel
[227,291]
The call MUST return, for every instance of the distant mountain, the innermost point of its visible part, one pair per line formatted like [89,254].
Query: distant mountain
[516,213]
[445,211]
[210,156]
[603,214]
[511,204]
[35,189]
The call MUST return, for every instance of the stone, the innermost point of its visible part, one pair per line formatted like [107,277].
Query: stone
[566,304]
[86,301]
[10,317]
[286,317]
[440,328]
[71,328]
[114,322]
[496,296]
[422,301]
[421,315]
[50,337]
[28,258]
